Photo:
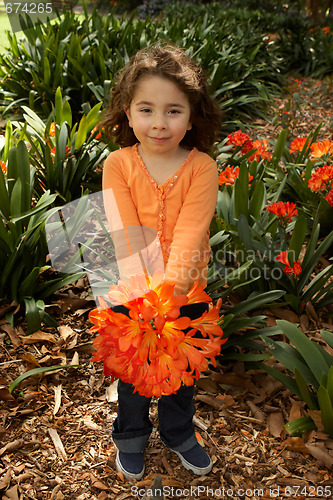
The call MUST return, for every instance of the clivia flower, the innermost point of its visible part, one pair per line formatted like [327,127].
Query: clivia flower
[229,175]
[297,145]
[329,197]
[284,210]
[52,130]
[67,152]
[283,258]
[261,150]
[319,149]
[149,348]
[3,165]
[238,138]
[96,131]
[321,179]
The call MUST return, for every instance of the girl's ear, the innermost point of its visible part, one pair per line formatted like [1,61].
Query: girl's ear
[189,126]
[129,118]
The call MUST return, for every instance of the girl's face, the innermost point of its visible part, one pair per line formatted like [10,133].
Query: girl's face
[159,115]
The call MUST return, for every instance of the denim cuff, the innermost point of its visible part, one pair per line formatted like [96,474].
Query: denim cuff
[185,445]
[130,442]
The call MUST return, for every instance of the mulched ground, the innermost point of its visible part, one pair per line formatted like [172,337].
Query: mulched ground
[55,429]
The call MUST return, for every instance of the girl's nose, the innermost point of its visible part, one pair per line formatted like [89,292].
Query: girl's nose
[159,122]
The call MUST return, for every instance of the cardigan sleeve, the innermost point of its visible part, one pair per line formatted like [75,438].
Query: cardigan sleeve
[129,237]
[188,250]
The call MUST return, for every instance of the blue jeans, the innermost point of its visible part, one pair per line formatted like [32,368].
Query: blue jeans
[132,427]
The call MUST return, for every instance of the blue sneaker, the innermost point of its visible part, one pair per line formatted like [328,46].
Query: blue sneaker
[196,460]
[130,464]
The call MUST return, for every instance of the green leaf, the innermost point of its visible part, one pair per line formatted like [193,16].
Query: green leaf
[325,405]
[32,315]
[258,200]
[300,426]
[280,145]
[314,359]
[241,190]
[291,359]
[58,106]
[81,133]
[306,394]
[37,371]
[257,301]
[297,239]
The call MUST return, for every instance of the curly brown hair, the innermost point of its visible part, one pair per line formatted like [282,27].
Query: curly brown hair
[166,61]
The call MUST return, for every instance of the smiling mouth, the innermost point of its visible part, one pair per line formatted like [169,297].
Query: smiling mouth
[159,139]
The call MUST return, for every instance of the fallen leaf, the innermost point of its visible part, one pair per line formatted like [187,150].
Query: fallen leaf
[11,494]
[111,392]
[68,335]
[5,395]
[59,447]
[57,403]
[12,333]
[284,313]
[321,454]
[11,447]
[257,413]
[96,483]
[208,385]
[275,422]
[216,403]
[39,336]
[30,360]
[296,444]
[5,480]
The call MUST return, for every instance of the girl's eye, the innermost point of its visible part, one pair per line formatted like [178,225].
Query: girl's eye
[145,110]
[174,111]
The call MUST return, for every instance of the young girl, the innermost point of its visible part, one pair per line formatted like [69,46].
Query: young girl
[162,115]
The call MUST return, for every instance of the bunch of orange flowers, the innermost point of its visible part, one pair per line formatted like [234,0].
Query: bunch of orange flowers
[296,269]
[284,210]
[243,140]
[318,149]
[229,175]
[149,348]
[321,181]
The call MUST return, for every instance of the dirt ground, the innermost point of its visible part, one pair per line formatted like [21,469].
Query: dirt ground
[55,429]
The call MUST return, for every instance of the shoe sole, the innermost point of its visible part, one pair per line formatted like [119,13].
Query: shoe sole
[199,471]
[128,475]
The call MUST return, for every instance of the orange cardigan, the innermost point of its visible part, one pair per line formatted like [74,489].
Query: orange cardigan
[180,211]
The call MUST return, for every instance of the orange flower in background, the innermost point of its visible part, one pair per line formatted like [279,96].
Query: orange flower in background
[283,258]
[261,147]
[52,130]
[149,348]
[321,179]
[3,166]
[228,176]
[319,149]
[238,138]
[329,197]
[297,145]
[97,131]
[326,29]
[285,211]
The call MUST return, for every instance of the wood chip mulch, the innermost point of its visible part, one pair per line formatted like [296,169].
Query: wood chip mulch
[55,428]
